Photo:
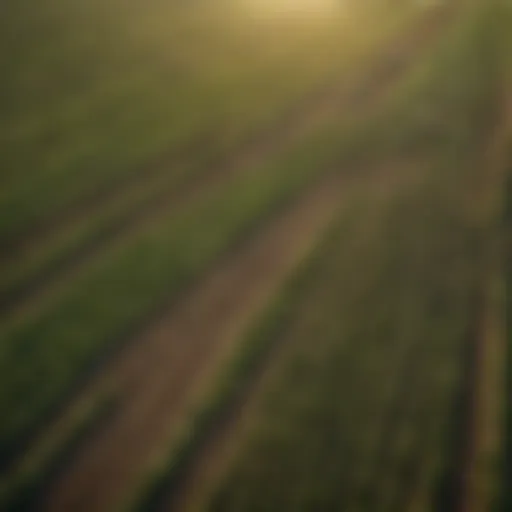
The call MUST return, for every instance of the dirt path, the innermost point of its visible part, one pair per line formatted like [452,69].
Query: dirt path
[479,475]
[347,97]
[220,445]
[162,371]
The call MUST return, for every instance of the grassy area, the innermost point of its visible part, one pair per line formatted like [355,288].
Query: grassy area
[123,106]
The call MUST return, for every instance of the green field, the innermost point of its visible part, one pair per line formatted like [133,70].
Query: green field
[255,258]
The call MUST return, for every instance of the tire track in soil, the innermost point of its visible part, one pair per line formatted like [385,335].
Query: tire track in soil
[161,373]
[338,97]
[218,446]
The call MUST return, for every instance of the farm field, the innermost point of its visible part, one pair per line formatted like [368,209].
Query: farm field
[255,257]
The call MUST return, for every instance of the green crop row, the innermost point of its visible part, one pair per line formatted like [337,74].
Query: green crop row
[362,395]
[505,502]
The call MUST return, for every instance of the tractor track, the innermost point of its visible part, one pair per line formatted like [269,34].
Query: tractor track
[219,444]
[161,372]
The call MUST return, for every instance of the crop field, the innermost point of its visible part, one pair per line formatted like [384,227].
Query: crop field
[255,256]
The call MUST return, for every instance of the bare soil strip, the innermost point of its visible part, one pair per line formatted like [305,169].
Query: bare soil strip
[481,474]
[347,98]
[220,445]
[159,373]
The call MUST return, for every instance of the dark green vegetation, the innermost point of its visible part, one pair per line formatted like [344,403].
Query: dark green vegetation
[506,498]
[505,501]
[143,144]
[379,391]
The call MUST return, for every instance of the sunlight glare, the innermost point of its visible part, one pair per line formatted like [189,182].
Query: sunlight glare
[279,8]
